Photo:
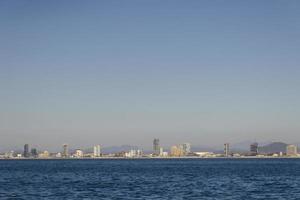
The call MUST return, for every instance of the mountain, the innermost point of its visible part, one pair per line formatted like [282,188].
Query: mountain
[202,148]
[241,146]
[115,149]
[274,147]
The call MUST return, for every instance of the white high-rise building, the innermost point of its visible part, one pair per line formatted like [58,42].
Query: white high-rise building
[97,151]
[161,151]
[186,147]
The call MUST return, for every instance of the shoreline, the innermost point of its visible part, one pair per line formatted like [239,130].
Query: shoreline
[156,158]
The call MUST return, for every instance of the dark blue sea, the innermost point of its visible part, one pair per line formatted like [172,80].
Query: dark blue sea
[150,179]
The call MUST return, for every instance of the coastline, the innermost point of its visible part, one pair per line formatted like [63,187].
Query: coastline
[158,158]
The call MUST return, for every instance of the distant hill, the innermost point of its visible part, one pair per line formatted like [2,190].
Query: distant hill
[202,148]
[115,149]
[274,147]
[110,149]
[243,146]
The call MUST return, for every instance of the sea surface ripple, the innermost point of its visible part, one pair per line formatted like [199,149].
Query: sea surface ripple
[150,179]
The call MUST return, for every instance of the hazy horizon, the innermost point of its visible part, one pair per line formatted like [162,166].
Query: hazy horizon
[125,72]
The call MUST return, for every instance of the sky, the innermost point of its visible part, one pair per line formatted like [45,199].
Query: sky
[125,72]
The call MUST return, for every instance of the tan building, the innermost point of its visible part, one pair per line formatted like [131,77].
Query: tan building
[45,154]
[291,150]
[176,151]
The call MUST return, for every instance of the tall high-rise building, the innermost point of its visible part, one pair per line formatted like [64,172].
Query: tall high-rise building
[186,147]
[65,152]
[156,146]
[161,151]
[291,150]
[254,149]
[34,152]
[97,151]
[226,149]
[26,153]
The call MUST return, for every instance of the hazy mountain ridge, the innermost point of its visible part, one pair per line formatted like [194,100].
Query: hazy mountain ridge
[274,147]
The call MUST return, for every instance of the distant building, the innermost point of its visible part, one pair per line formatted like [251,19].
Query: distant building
[176,151]
[164,154]
[161,151]
[291,150]
[34,152]
[65,152]
[133,153]
[226,149]
[26,153]
[120,154]
[205,154]
[186,147]
[156,146]
[280,153]
[78,153]
[97,151]
[254,149]
[45,154]
[9,154]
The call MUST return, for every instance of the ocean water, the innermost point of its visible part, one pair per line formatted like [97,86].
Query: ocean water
[150,179]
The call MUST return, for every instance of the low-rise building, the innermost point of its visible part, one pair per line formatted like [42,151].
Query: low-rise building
[78,153]
[45,154]
[133,153]
[204,154]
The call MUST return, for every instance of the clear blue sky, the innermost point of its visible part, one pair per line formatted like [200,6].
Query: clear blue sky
[124,72]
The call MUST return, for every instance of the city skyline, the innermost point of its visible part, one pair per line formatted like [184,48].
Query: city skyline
[119,73]
[272,150]
[157,148]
